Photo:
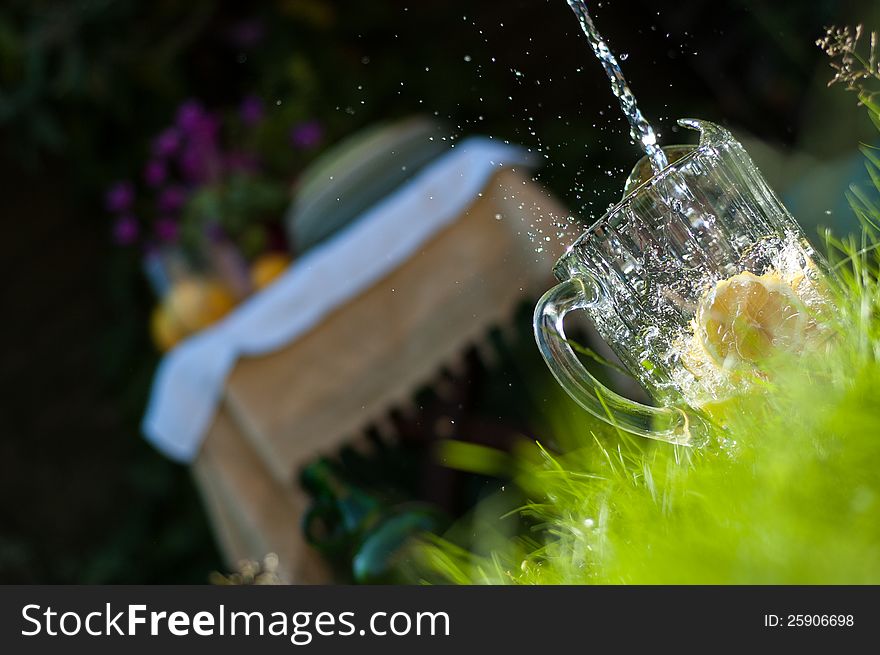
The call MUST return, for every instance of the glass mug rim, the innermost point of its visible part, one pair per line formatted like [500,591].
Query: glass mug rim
[712,135]
[582,287]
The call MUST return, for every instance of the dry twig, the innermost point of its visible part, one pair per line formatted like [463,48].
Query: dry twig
[852,68]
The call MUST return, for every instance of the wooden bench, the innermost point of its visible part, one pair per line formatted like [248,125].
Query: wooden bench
[362,362]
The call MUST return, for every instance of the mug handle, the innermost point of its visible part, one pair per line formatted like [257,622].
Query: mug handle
[668,424]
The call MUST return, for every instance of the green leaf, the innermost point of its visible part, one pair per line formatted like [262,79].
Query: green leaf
[474,458]
[869,102]
[872,169]
[596,357]
[866,202]
[868,151]
[857,206]
[875,118]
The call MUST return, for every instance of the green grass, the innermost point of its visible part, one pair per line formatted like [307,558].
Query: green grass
[789,493]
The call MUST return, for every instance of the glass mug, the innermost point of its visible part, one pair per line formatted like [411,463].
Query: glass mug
[642,271]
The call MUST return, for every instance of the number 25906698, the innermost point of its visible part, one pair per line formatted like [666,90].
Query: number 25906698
[808,620]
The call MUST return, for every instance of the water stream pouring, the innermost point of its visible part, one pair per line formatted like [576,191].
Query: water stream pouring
[640,129]
[695,279]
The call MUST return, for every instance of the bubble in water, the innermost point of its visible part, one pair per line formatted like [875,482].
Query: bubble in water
[651,334]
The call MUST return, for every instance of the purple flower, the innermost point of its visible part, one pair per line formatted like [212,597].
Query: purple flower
[167,143]
[251,110]
[120,197]
[306,135]
[166,229]
[200,162]
[247,33]
[207,129]
[189,115]
[125,230]
[155,172]
[171,199]
[196,123]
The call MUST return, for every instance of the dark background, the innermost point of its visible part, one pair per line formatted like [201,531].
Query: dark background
[83,85]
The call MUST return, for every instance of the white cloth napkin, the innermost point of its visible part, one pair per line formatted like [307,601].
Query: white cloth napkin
[189,380]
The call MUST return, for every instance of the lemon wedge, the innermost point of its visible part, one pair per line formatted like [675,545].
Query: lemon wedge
[747,318]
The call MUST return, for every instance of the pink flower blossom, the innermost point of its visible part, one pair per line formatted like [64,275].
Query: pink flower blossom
[190,115]
[200,163]
[167,143]
[197,124]
[166,229]
[247,33]
[120,197]
[125,230]
[171,199]
[306,135]
[251,110]
[155,172]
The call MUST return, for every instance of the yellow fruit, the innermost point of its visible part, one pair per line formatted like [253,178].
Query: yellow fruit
[165,330]
[748,318]
[268,267]
[196,303]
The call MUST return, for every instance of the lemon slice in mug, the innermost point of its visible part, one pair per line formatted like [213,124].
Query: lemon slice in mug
[748,318]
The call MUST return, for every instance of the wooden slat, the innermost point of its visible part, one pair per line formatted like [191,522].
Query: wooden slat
[252,513]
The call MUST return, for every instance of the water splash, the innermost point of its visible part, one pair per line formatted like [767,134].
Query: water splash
[640,129]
